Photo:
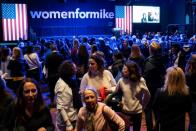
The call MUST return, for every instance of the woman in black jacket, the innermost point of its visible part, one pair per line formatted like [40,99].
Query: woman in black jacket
[18,67]
[172,102]
[29,112]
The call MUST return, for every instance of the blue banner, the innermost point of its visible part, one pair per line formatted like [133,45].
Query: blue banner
[66,19]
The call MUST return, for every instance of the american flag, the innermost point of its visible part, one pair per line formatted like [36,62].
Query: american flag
[123,18]
[14,21]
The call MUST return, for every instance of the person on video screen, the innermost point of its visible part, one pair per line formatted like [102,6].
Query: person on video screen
[144,19]
[155,17]
[150,17]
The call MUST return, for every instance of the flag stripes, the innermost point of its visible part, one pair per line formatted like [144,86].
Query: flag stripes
[14,22]
[123,18]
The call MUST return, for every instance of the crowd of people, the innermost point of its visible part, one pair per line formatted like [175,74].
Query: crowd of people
[88,78]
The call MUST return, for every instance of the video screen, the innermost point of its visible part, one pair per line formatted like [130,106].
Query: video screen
[146,14]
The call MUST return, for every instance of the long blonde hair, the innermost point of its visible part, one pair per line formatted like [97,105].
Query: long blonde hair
[175,81]
[17,53]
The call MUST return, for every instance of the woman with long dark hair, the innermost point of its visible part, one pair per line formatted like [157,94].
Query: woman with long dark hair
[135,94]
[82,63]
[98,77]
[30,112]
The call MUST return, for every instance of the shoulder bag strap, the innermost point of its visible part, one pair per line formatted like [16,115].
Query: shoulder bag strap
[31,60]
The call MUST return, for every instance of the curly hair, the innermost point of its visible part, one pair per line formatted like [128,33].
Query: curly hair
[66,70]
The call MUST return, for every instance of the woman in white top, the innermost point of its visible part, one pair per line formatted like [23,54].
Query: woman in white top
[68,98]
[98,77]
[34,64]
[135,94]
[5,58]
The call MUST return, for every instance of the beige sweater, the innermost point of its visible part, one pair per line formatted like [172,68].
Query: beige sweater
[100,123]
[107,81]
[135,96]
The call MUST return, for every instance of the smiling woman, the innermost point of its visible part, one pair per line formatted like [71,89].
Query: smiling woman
[96,116]
[30,93]
[30,113]
[98,77]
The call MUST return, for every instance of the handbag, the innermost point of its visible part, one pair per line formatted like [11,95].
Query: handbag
[113,100]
